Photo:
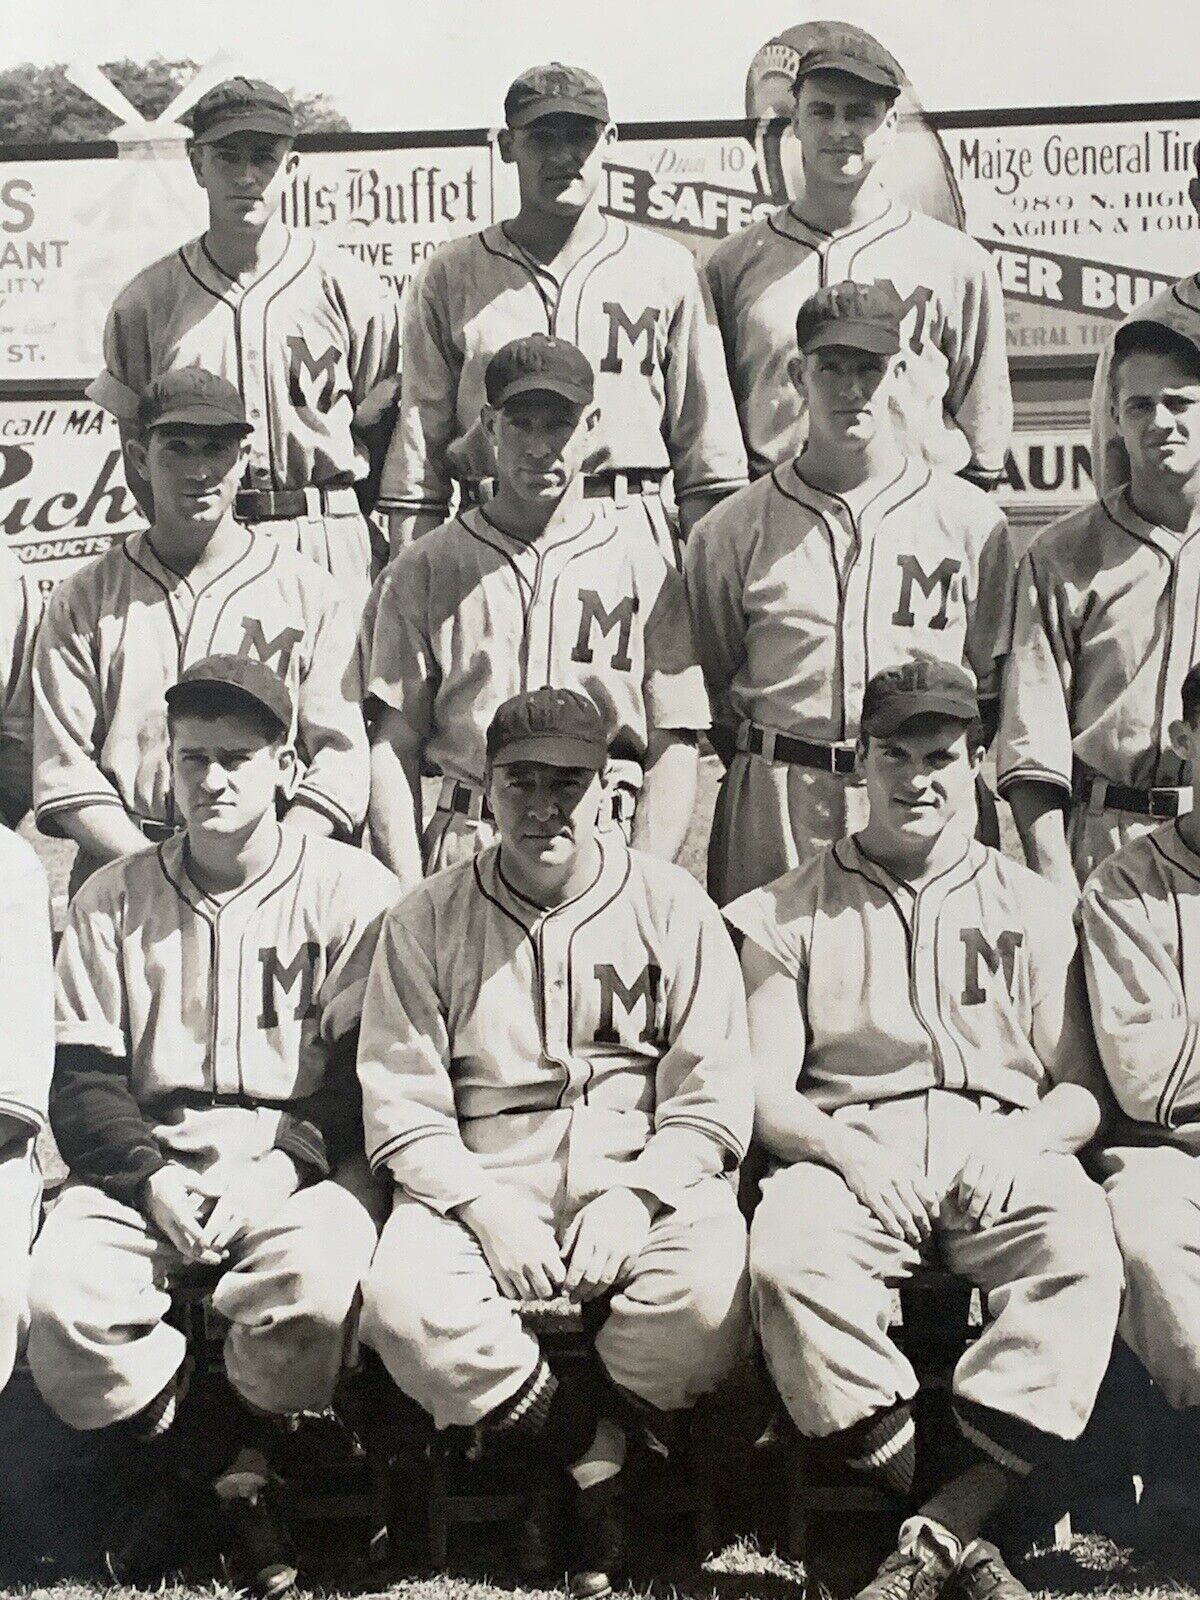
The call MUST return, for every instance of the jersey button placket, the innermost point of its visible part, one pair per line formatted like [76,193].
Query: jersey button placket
[851,643]
[227,952]
[251,336]
[1180,643]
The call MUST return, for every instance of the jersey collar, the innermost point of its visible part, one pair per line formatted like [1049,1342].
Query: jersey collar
[297,252]
[1187,292]
[588,237]
[1119,509]
[850,856]
[287,860]
[891,492]
[789,224]
[609,880]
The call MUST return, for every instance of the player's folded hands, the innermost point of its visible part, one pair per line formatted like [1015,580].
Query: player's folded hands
[1000,1152]
[245,1194]
[894,1190]
[603,1242]
[518,1244]
[175,1203]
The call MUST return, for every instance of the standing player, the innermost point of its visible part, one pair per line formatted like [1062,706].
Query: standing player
[555,1075]
[632,301]
[1105,625]
[1140,917]
[540,586]
[205,1101]
[834,565]
[954,409]
[121,629]
[925,1071]
[308,334]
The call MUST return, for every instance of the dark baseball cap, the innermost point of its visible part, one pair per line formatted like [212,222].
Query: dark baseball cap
[865,316]
[252,680]
[915,689]
[539,362]
[1160,331]
[838,47]
[554,90]
[242,105]
[557,727]
[192,397]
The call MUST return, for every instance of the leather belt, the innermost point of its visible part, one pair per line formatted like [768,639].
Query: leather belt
[467,801]
[841,759]
[277,505]
[1097,794]
[618,485]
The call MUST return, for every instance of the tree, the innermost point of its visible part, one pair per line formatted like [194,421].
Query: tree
[39,106]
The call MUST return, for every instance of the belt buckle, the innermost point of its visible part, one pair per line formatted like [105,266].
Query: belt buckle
[1162,804]
[844,760]
[1097,800]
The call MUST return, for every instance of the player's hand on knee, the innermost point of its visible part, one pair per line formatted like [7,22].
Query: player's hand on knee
[518,1245]
[602,1245]
[894,1190]
[246,1194]
[999,1154]
[177,1206]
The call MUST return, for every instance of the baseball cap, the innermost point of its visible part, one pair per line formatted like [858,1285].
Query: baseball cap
[914,689]
[1146,333]
[252,680]
[557,727]
[865,316]
[554,90]
[192,396]
[842,48]
[539,362]
[242,105]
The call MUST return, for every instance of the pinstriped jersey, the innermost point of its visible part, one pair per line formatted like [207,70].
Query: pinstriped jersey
[117,634]
[971,982]
[798,597]
[226,1010]
[635,305]
[470,616]
[1178,307]
[312,344]
[954,407]
[1105,628]
[1140,922]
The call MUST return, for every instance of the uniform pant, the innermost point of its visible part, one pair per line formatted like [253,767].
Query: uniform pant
[456,1346]
[821,1268]
[1093,836]
[20,1208]
[1154,1195]
[100,1350]
[339,540]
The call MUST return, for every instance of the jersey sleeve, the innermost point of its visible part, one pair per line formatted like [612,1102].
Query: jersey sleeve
[979,395]
[67,714]
[373,322]
[674,684]
[1147,1033]
[703,438]
[126,347]
[368,893]
[400,669]
[773,920]
[329,723]
[90,1003]
[27,974]
[1034,742]
[416,475]
[715,585]
[1110,459]
[1062,1034]
[404,1068]
[990,625]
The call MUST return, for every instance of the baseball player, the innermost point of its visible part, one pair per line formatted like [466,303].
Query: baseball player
[121,629]
[925,1072]
[308,334]
[1140,914]
[1104,629]
[20,611]
[205,1100]
[555,1075]
[631,300]
[849,558]
[1177,306]
[539,586]
[954,408]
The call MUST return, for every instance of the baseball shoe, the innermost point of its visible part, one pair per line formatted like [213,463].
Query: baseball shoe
[260,1546]
[983,1575]
[919,1572]
[600,1557]
[156,1535]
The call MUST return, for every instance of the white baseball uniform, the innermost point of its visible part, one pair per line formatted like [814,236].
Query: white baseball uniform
[798,597]
[470,616]
[20,613]
[636,306]
[312,344]
[213,1030]
[1179,307]
[1140,919]
[117,634]
[1104,631]
[925,1013]
[954,408]
[557,1054]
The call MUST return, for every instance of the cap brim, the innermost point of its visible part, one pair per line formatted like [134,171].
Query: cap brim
[855,336]
[906,707]
[201,416]
[559,105]
[551,750]
[277,125]
[852,67]
[538,383]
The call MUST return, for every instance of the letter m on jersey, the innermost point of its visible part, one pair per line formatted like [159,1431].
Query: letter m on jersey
[279,978]
[276,652]
[312,380]
[620,617]
[644,990]
[978,953]
[939,581]
[619,322]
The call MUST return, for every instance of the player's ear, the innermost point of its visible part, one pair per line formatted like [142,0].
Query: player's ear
[1180,735]
[609,136]
[138,455]
[193,153]
[795,369]
[1194,194]
[289,771]
[488,417]
[591,418]
[504,143]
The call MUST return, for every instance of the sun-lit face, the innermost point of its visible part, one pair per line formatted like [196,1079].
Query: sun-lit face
[244,176]
[847,393]
[545,814]
[226,772]
[540,441]
[1156,404]
[843,126]
[559,161]
[920,779]
[194,472]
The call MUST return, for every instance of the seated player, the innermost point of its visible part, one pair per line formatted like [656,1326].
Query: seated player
[205,1102]
[121,629]
[543,585]
[842,561]
[1140,918]
[926,1073]
[555,1075]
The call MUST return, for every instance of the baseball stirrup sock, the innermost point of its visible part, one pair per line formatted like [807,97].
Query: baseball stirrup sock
[884,1447]
[1009,1442]
[603,1458]
[528,1410]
